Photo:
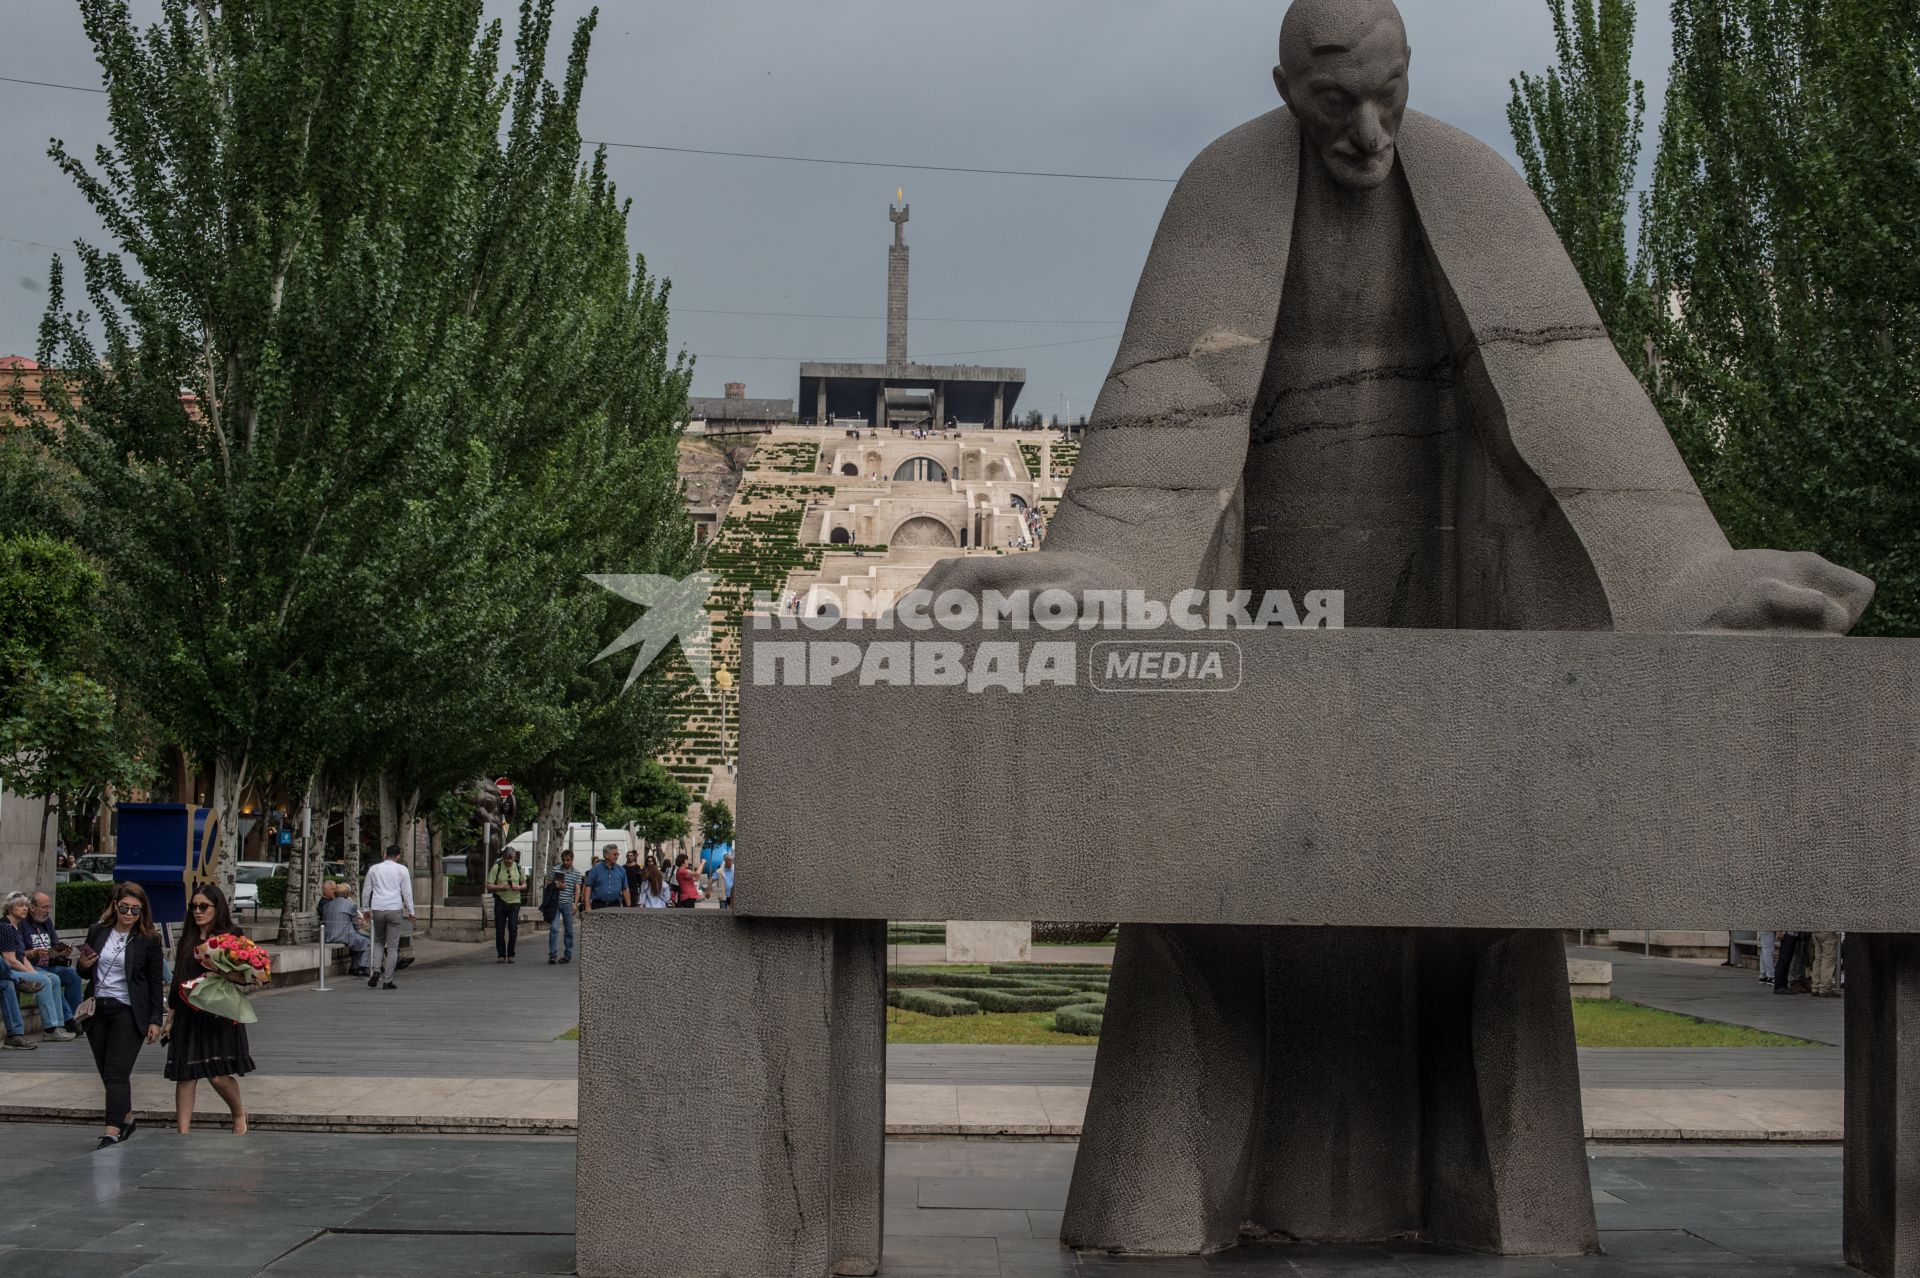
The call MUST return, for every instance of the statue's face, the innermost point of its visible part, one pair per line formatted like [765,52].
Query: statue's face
[1350,98]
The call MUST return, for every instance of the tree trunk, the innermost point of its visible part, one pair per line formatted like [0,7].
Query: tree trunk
[229,784]
[552,836]
[47,804]
[386,801]
[106,841]
[436,874]
[351,835]
[408,811]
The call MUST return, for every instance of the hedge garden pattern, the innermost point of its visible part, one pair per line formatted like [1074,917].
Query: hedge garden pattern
[1076,993]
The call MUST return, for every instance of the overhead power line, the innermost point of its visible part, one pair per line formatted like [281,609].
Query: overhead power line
[918,319]
[886,164]
[848,359]
[763,155]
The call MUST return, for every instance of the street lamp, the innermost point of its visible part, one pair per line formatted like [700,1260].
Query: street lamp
[723,679]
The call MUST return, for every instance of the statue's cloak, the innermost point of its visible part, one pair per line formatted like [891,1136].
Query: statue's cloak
[1577,511]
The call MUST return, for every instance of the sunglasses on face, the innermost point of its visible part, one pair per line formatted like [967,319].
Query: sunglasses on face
[202,905]
[127,907]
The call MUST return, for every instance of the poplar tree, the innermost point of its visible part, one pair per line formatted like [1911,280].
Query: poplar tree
[1577,130]
[1781,237]
[365,319]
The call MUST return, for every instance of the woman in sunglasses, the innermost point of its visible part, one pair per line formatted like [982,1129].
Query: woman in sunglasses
[127,991]
[202,1045]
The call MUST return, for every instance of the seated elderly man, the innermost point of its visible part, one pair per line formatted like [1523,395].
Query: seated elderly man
[337,927]
[47,953]
[55,1015]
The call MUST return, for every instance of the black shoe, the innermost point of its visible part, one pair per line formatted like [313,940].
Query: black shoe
[552,959]
[1781,989]
[567,959]
[373,982]
[389,986]
[127,1131]
[106,1142]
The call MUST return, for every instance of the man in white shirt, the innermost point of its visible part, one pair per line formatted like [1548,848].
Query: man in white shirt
[386,896]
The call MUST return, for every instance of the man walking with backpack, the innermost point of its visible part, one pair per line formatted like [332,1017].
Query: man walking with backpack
[506,880]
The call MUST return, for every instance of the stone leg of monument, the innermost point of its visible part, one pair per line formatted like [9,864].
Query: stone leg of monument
[748,1125]
[1334,1084]
[1882,1191]
[1163,1159]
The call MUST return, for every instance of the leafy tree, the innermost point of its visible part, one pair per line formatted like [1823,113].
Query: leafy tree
[1577,130]
[654,804]
[426,388]
[716,823]
[1780,230]
[62,735]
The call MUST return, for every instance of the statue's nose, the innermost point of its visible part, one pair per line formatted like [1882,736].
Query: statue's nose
[1369,136]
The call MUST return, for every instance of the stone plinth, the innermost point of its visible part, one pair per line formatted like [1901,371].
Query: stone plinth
[1882,1191]
[1590,978]
[1561,777]
[737,1132]
[989,942]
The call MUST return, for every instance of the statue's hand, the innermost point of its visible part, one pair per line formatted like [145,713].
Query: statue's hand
[1768,590]
[1039,571]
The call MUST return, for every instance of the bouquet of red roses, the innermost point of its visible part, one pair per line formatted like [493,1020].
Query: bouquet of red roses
[233,963]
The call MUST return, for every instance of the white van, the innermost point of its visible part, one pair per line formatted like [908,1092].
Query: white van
[584,843]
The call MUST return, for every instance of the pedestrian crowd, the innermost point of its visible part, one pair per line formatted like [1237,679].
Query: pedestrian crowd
[639,882]
[1803,962]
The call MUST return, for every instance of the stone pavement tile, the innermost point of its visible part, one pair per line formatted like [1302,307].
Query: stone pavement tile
[1045,1224]
[1025,1193]
[335,1255]
[1001,1111]
[167,1269]
[548,1210]
[923,1109]
[67,1264]
[1066,1108]
[958,1222]
[1676,1245]
[956,1256]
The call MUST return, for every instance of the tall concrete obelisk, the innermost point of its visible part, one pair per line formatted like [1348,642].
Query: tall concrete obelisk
[897,285]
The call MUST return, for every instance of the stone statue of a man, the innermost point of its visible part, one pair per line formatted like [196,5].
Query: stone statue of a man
[1359,359]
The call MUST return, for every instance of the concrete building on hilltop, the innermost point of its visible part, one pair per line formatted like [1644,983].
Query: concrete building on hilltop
[901,394]
[735,414]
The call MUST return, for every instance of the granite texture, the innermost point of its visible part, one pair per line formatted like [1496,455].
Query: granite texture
[989,942]
[1226,1105]
[1436,778]
[1882,1185]
[756,1101]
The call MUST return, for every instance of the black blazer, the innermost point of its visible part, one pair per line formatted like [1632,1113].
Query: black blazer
[146,974]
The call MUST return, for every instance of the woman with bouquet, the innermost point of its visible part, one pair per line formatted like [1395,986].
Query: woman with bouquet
[125,998]
[205,1044]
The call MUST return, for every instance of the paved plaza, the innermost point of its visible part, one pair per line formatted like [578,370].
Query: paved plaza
[469,1046]
[310,1204]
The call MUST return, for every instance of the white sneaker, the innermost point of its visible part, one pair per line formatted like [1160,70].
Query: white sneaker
[61,1035]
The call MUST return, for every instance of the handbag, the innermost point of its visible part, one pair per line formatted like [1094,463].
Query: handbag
[82,1012]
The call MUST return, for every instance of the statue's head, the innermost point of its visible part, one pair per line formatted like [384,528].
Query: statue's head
[1343,73]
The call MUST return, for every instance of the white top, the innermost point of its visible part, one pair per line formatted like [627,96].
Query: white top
[110,973]
[388,886]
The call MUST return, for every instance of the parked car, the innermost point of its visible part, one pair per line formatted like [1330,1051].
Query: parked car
[97,866]
[246,882]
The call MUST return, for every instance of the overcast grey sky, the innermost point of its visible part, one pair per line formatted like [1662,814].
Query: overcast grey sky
[1089,86]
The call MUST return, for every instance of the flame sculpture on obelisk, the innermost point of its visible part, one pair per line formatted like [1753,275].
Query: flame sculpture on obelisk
[897,283]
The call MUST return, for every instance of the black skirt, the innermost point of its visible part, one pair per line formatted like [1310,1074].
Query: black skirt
[206,1046]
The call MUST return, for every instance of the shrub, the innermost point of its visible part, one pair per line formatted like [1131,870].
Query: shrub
[932,1002]
[77,905]
[1034,1000]
[1071,933]
[273,892]
[1081,1018]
